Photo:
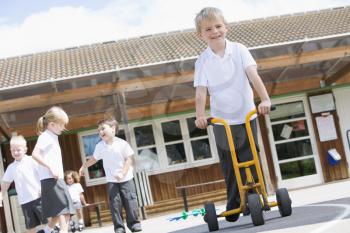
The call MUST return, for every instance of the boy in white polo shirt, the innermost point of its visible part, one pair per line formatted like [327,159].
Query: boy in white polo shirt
[24,172]
[226,70]
[116,155]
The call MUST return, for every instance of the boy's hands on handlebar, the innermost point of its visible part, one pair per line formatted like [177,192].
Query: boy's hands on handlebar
[264,107]
[201,122]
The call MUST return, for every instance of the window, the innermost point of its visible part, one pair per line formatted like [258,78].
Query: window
[146,147]
[161,145]
[292,140]
[174,146]
[88,141]
[199,140]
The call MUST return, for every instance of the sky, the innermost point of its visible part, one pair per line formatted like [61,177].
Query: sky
[32,26]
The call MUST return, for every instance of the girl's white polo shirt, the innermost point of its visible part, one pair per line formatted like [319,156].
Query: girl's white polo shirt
[51,153]
[74,191]
[113,157]
[25,175]
[231,96]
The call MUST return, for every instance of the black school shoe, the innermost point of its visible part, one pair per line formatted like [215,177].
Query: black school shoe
[136,227]
[40,231]
[232,218]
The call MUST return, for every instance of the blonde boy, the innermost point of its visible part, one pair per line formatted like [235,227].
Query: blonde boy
[24,172]
[226,70]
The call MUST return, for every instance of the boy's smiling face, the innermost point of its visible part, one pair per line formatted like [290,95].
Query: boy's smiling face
[106,132]
[213,31]
[18,151]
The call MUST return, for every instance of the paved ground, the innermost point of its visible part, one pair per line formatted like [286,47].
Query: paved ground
[324,208]
[315,216]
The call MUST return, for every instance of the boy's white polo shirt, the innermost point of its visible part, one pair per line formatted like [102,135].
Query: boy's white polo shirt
[113,157]
[51,153]
[25,175]
[231,96]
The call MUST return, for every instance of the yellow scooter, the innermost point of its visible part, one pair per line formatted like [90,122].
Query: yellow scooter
[251,203]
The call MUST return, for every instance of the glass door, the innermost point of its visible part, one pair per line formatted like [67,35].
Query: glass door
[293,145]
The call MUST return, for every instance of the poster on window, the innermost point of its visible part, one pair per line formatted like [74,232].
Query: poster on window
[326,128]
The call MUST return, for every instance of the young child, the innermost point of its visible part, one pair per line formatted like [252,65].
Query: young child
[116,155]
[225,68]
[76,192]
[24,172]
[56,201]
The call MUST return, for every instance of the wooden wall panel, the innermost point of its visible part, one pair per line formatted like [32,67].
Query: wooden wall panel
[339,171]
[163,186]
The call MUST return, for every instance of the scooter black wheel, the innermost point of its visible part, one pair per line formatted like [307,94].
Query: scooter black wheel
[255,209]
[210,216]
[284,202]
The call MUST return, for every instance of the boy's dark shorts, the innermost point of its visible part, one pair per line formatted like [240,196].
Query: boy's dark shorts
[33,215]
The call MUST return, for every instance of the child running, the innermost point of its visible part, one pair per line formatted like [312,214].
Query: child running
[56,201]
[24,172]
[116,155]
[76,191]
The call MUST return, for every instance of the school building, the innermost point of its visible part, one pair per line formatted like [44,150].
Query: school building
[147,83]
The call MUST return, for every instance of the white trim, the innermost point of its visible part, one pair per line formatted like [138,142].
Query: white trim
[292,139]
[287,121]
[296,159]
[306,39]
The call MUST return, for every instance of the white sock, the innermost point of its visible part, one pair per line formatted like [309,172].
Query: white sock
[48,229]
[81,221]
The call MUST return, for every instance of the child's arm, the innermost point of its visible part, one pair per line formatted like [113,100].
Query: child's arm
[82,200]
[36,155]
[255,79]
[125,170]
[87,164]
[201,99]
[5,186]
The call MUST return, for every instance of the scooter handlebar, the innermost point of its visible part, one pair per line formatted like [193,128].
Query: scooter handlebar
[209,120]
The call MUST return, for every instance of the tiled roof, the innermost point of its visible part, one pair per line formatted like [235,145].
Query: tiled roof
[55,65]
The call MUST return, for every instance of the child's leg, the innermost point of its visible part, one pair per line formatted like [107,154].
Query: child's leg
[79,215]
[233,199]
[115,205]
[64,219]
[129,199]
[51,224]
[80,219]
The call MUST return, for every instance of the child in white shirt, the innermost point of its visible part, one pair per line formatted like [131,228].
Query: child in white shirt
[56,201]
[116,155]
[76,192]
[24,172]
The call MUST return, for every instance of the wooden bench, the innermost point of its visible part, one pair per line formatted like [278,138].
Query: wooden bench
[183,190]
[97,207]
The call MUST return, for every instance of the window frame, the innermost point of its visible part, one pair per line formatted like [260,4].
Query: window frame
[186,140]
